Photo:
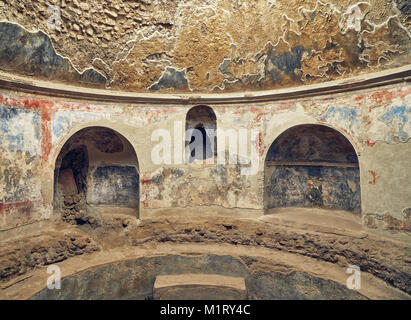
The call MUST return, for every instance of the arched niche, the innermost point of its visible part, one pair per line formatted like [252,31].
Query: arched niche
[97,166]
[312,166]
[201,131]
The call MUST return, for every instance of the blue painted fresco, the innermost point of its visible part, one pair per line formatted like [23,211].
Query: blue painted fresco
[33,54]
[60,125]
[343,114]
[400,116]
[15,125]
[171,78]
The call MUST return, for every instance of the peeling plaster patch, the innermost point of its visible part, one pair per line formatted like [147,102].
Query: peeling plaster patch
[224,66]
[20,170]
[33,54]
[397,119]
[115,186]
[404,6]
[374,177]
[15,214]
[136,43]
[352,185]
[191,186]
[287,63]
[388,222]
[63,122]
[20,130]
[171,79]
[342,114]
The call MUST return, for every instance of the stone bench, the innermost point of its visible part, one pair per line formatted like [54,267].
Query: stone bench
[199,287]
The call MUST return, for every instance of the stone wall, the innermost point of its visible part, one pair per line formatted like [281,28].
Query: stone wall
[34,130]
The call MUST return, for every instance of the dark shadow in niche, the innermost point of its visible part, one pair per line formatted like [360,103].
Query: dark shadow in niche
[74,168]
[200,145]
[201,127]
[312,166]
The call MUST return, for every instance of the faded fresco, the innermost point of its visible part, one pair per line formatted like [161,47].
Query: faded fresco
[373,128]
[196,45]
[312,166]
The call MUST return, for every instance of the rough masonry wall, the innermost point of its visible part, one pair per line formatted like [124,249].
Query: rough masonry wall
[197,45]
[34,129]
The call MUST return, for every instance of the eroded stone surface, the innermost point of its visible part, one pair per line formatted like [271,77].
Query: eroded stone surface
[134,279]
[21,256]
[215,45]
[34,130]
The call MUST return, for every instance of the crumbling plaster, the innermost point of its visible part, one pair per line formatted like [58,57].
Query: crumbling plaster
[202,46]
[361,117]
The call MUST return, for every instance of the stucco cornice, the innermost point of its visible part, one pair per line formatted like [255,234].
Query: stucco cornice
[369,81]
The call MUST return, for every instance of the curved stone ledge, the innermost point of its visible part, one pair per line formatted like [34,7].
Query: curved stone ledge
[136,280]
[369,81]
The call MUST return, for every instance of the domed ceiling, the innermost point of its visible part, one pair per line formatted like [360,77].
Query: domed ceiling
[207,46]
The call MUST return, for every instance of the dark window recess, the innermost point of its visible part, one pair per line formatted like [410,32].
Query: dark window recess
[201,126]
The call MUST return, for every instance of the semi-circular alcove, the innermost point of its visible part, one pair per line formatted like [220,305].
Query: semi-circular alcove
[97,166]
[312,166]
